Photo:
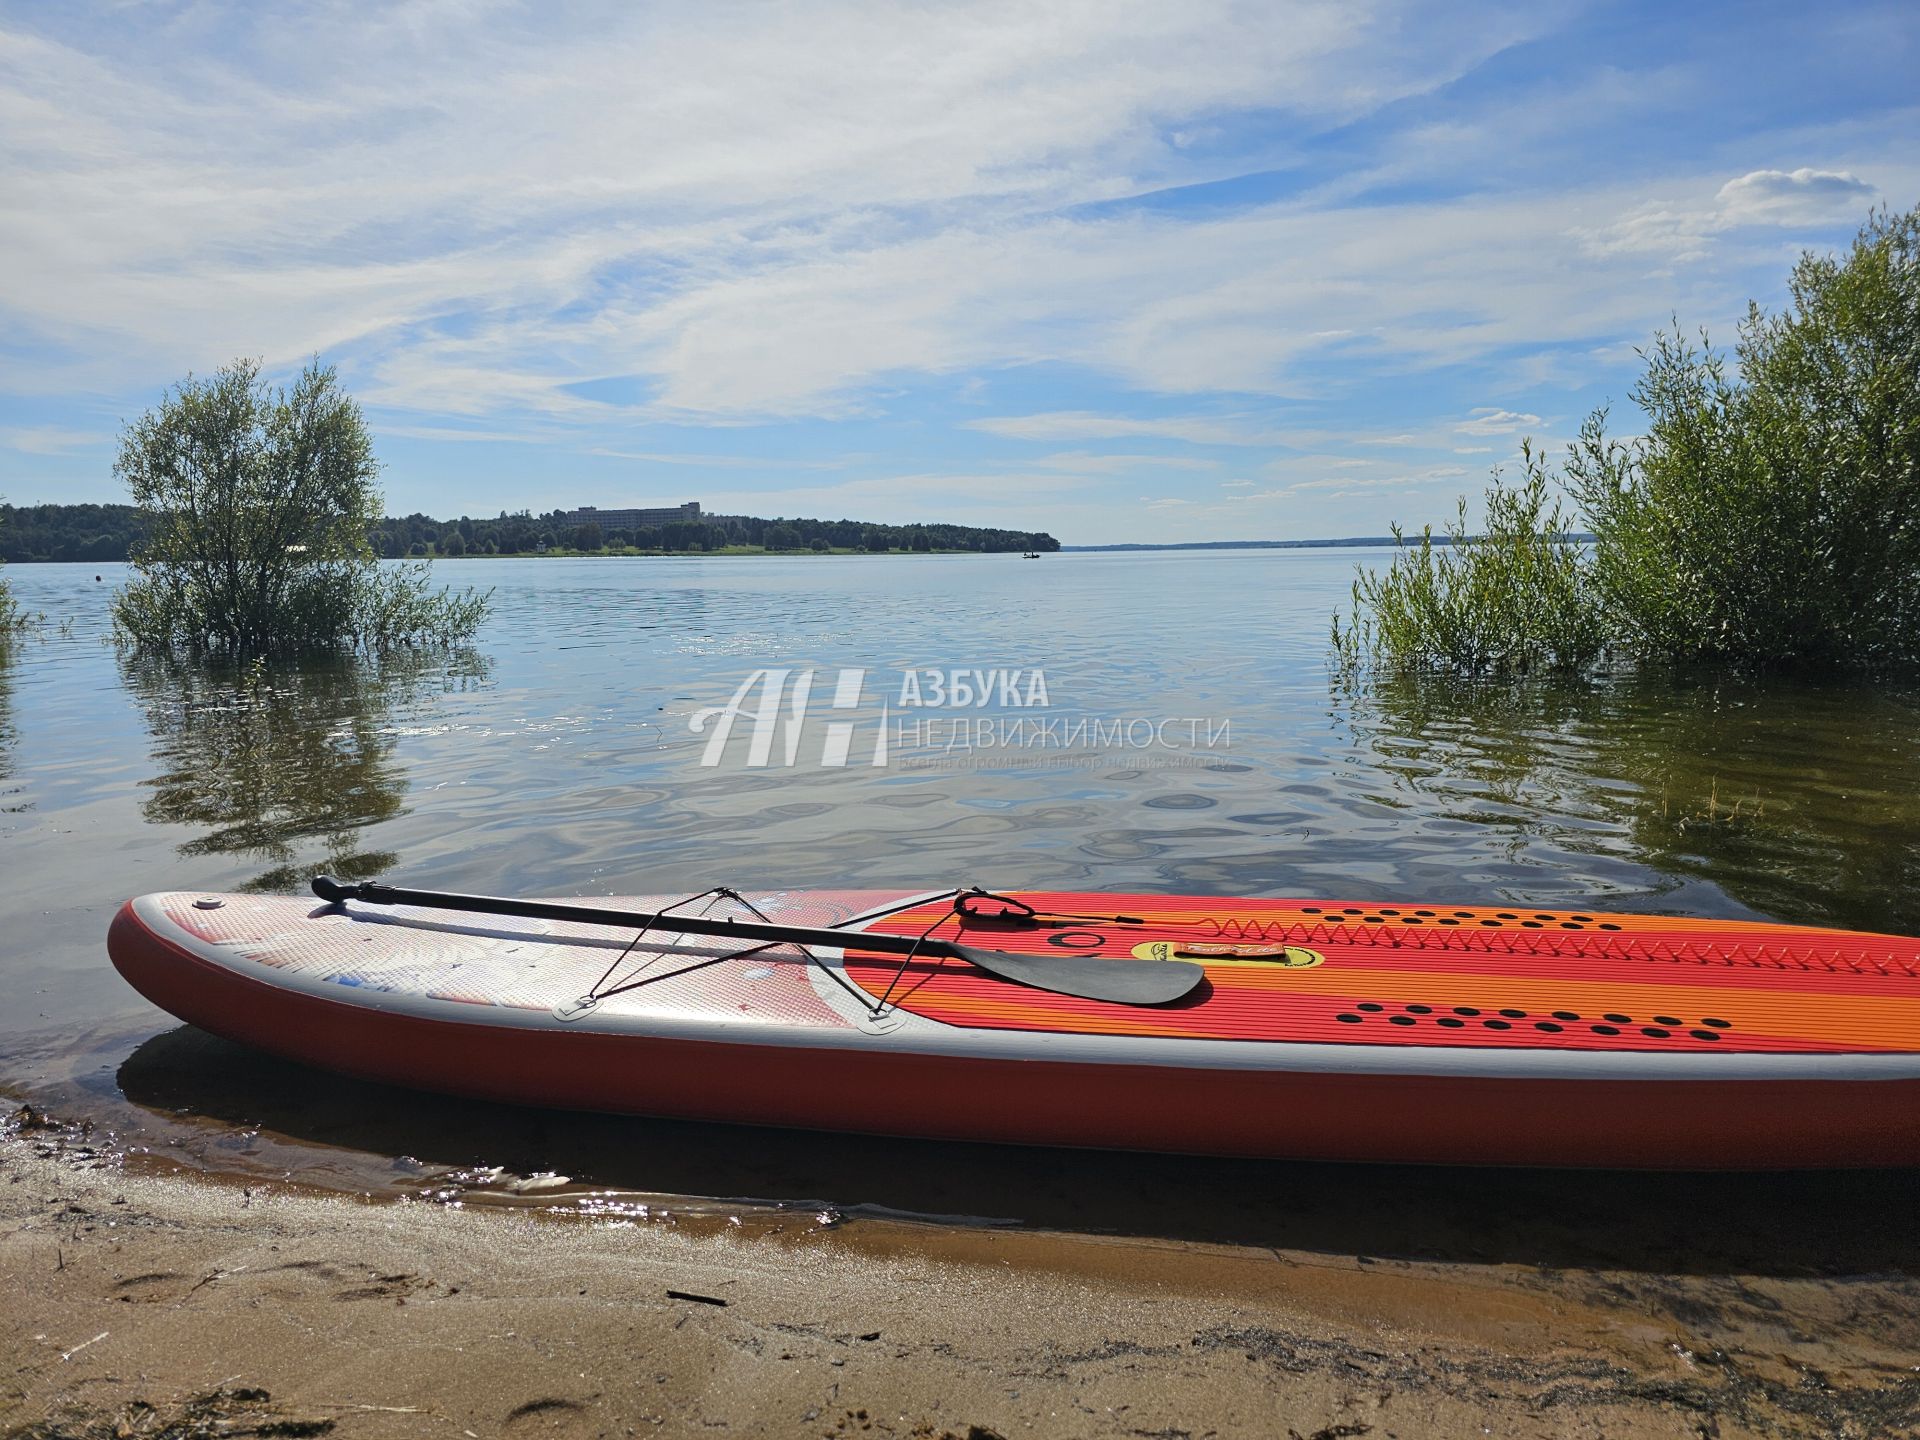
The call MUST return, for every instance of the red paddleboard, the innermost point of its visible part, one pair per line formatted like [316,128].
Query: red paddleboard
[1422,1033]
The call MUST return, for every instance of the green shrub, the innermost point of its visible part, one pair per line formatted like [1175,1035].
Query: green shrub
[1776,519]
[12,622]
[1507,601]
[1771,519]
[260,503]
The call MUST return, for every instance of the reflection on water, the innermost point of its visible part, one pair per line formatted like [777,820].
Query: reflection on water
[7,732]
[1797,799]
[285,766]
[258,1117]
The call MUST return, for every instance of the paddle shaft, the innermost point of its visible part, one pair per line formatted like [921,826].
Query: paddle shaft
[374,893]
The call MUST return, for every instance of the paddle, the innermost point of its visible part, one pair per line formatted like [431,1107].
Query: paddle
[1122,981]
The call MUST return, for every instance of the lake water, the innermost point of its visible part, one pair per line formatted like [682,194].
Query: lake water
[559,757]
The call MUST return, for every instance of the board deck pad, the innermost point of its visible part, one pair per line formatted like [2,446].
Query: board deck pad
[1438,976]
[532,964]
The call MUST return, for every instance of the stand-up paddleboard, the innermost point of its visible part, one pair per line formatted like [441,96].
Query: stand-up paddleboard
[1293,1028]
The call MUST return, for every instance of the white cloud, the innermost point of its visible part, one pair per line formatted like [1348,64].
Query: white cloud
[721,217]
[1486,421]
[50,439]
[1683,228]
[1673,233]
[1085,463]
[744,218]
[1088,425]
[705,461]
[1353,485]
[184,187]
[1791,197]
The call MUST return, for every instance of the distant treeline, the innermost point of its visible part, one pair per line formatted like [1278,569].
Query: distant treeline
[105,532]
[527,533]
[1352,540]
[67,532]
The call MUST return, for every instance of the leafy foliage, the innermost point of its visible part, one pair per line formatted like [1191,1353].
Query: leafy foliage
[1509,600]
[1776,519]
[260,502]
[1770,518]
[11,620]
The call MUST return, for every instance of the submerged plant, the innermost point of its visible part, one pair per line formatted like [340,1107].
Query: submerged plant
[260,502]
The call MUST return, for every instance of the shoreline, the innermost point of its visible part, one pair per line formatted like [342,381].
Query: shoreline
[725,552]
[139,1296]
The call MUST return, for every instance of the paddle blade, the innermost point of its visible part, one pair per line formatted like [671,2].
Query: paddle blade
[1121,982]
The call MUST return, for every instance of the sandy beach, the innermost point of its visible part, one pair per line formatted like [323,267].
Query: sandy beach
[168,1305]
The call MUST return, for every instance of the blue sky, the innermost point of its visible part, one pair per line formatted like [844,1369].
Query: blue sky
[1118,271]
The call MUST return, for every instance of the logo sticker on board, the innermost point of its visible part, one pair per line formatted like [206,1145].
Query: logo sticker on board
[1280,957]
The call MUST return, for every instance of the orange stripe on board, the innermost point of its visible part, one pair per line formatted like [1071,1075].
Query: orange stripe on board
[1252,1004]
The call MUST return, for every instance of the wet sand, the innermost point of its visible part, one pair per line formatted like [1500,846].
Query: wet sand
[145,1292]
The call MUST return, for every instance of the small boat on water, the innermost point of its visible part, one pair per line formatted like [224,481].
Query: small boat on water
[1260,1027]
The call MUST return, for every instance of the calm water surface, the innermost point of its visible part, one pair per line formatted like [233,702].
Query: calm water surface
[557,757]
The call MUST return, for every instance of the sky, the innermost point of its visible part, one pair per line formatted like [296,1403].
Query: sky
[1118,271]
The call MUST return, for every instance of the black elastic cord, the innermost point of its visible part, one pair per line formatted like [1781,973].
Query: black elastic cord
[1021,910]
[925,935]
[640,935]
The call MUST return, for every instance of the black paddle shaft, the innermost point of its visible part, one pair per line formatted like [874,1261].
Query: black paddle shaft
[1121,981]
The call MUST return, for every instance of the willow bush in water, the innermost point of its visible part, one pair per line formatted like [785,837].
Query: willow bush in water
[11,620]
[260,501]
[1767,517]
[1508,600]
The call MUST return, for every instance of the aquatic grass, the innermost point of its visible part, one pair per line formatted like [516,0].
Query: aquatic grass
[12,619]
[1714,816]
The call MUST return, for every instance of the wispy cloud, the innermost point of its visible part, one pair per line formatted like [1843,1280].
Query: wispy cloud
[1793,197]
[1084,462]
[972,247]
[1487,421]
[51,439]
[1088,425]
[1684,229]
